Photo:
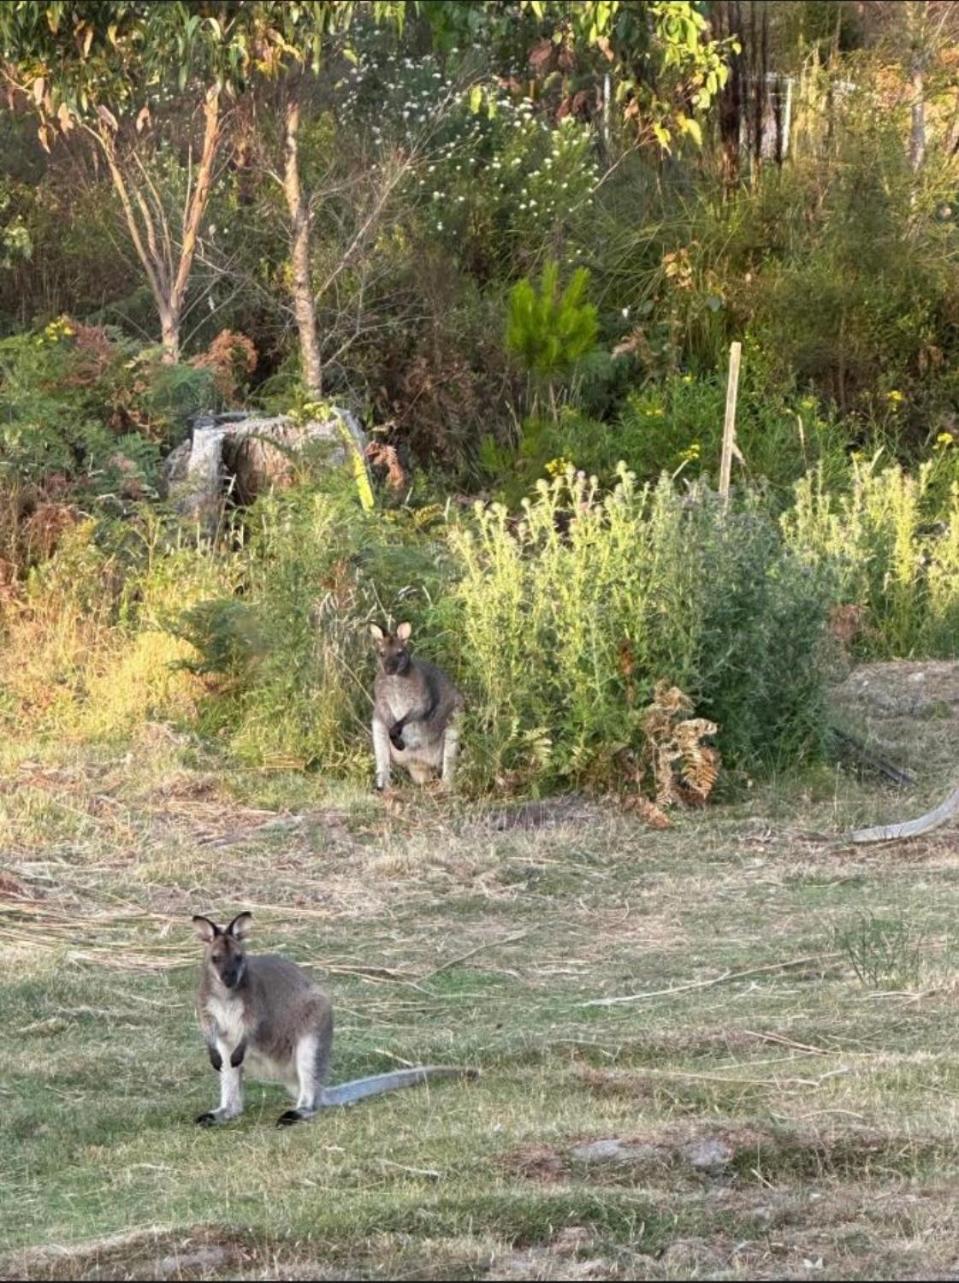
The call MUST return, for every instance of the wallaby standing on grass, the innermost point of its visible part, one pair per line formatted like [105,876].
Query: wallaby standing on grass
[416,713]
[265,1014]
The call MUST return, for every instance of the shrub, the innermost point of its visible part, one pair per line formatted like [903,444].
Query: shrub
[676,426]
[81,401]
[549,331]
[643,585]
[891,542]
[231,358]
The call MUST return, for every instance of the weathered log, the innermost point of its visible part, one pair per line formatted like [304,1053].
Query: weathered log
[911,828]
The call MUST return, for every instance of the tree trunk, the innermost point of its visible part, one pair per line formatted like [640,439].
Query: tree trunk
[918,35]
[304,308]
[197,201]
[170,333]
[149,229]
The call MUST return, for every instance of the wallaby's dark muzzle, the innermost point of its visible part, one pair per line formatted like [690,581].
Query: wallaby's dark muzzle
[231,976]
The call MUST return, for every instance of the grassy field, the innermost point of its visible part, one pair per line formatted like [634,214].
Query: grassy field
[783,1082]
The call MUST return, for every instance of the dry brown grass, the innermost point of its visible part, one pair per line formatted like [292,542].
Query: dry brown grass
[446,932]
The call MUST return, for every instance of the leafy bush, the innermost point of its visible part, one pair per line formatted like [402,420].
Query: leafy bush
[84,402]
[891,542]
[643,585]
[500,181]
[549,331]
[676,426]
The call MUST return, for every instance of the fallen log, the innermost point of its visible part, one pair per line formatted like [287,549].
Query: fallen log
[911,828]
[868,759]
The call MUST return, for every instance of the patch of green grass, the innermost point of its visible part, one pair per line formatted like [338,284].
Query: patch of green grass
[745,1019]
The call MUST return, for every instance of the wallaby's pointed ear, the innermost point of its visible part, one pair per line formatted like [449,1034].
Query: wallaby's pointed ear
[241,926]
[376,632]
[403,632]
[205,929]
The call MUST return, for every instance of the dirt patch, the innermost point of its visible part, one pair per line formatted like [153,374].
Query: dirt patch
[152,1253]
[741,1154]
[540,1163]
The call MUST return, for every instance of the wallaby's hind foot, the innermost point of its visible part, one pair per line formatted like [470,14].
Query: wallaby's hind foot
[211,1118]
[291,1116]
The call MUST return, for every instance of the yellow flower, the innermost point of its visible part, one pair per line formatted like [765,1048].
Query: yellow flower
[895,396]
[556,467]
[807,403]
[691,453]
[944,440]
[687,378]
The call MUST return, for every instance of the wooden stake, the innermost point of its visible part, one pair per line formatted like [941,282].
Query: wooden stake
[729,427]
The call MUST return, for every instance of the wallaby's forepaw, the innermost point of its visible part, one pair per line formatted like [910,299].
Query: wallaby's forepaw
[291,1116]
[209,1119]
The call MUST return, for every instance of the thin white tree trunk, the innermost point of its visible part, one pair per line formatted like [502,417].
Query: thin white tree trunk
[168,274]
[304,308]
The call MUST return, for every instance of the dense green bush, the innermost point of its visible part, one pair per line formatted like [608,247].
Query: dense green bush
[570,615]
[676,426]
[891,542]
[84,402]
[557,625]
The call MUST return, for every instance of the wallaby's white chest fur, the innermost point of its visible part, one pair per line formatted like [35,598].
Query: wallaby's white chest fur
[227,1014]
[397,699]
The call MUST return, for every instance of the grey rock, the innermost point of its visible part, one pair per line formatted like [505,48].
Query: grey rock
[614,1151]
[708,1155]
[188,1263]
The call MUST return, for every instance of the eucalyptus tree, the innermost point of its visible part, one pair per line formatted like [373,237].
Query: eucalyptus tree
[108,71]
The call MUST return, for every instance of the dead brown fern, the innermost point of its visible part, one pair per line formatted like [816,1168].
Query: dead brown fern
[674,764]
[385,456]
[231,358]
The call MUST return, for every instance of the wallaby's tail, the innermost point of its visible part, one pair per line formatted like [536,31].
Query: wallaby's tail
[360,1088]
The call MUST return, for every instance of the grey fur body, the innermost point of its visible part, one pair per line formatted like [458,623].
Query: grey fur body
[417,713]
[264,1015]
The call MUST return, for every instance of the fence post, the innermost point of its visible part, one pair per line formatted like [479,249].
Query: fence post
[729,427]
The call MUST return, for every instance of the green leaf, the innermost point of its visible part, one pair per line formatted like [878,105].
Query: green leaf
[692,127]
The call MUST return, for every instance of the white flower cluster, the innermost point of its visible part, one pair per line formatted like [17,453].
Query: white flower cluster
[505,162]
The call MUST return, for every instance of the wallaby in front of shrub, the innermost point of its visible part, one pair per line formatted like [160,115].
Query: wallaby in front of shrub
[265,1014]
[416,713]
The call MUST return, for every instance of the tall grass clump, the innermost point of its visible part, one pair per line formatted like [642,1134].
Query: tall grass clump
[891,541]
[569,615]
[84,652]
